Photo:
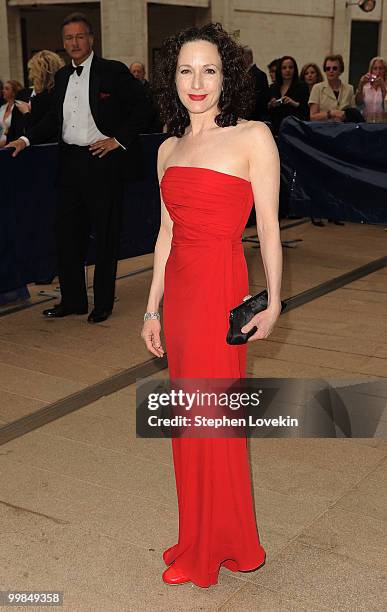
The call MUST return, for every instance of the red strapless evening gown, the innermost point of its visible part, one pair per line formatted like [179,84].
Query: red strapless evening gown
[206,276]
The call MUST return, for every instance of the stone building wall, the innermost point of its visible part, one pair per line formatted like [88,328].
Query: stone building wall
[307,29]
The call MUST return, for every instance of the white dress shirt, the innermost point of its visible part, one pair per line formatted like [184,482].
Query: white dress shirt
[78,123]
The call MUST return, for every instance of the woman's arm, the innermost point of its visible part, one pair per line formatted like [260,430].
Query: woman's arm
[264,175]
[162,250]
[152,328]
[316,114]
[359,91]
[314,105]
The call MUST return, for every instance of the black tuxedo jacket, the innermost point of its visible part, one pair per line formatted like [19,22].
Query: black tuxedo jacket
[117,102]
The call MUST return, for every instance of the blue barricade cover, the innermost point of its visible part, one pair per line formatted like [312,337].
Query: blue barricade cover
[27,212]
[335,170]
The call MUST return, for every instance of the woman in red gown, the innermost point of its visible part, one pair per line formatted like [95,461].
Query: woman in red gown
[211,170]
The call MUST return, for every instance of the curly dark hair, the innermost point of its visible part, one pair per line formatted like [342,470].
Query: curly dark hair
[237,93]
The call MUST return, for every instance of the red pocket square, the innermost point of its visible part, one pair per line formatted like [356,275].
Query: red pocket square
[103,95]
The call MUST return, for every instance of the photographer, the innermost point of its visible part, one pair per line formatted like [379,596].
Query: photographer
[371,90]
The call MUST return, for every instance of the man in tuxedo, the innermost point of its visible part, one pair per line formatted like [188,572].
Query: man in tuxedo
[98,111]
[261,87]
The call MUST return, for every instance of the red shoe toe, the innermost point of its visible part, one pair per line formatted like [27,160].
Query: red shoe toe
[173,575]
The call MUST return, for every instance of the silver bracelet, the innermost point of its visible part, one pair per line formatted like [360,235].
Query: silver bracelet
[151,315]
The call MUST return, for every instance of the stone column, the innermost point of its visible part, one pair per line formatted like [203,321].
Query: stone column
[341,35]
[5,69]
[223,12]
[383,32]
[124,30]
[15,44]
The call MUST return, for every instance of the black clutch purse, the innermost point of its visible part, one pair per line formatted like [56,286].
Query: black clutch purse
[242,314]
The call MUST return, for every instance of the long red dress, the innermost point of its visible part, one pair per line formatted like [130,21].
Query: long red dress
[206,276]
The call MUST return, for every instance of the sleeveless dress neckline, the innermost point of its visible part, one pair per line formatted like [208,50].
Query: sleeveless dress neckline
[233,176]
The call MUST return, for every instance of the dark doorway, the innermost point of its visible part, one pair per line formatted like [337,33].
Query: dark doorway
[364,46]
[164,20]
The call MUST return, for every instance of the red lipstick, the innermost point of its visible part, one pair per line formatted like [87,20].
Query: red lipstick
[196,97]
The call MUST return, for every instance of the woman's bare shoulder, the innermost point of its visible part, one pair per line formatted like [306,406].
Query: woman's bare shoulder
[249,127]
[255,133]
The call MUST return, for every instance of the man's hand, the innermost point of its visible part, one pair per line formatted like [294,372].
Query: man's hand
[18,145]
[23,107]
[102,147]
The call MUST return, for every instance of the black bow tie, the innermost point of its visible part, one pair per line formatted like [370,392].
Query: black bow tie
[78,69]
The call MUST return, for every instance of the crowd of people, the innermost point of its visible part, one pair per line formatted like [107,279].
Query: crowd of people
[303,94]
[308,96]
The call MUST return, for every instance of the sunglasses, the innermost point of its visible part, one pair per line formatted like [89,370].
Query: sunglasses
[331,69]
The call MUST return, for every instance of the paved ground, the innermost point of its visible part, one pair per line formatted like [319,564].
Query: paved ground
[87,508]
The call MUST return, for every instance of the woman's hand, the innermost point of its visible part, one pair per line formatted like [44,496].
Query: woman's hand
[151,335]
[273,103]
[338,115]
[264,321]
[288,100]
[364,79]
[378,82]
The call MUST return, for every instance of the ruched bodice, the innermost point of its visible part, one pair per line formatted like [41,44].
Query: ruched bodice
[206,276]
[205,204]
[209,210]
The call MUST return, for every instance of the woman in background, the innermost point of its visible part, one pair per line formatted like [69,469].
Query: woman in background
[329,98]
[11,119]
[42,68]
[288,95]
[311,74]
[371,90]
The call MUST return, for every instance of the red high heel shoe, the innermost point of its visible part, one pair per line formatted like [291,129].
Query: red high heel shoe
[165,554]
[173,575]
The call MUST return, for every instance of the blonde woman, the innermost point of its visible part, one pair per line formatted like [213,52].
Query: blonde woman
[10,118]
[371,90]
[42,68]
